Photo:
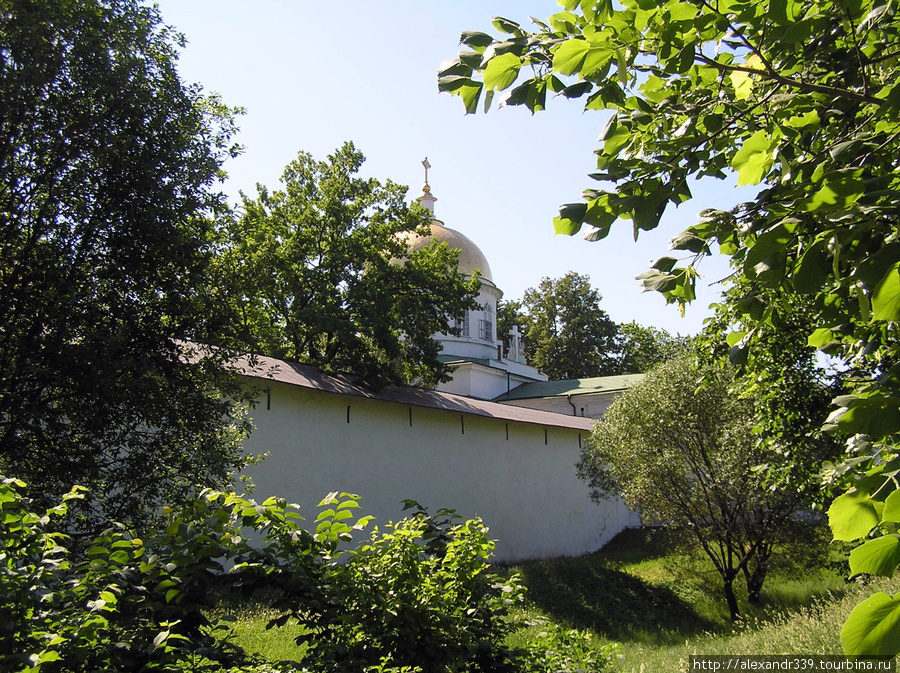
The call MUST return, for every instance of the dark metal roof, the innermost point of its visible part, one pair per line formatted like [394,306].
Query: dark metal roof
[307,376]
[595,385]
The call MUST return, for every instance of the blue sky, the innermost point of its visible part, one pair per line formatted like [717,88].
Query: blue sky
[313,75]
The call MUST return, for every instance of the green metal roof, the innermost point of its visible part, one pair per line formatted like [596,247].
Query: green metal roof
[457,359]
[595,385]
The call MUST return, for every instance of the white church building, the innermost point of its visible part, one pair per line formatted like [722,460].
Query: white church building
[473,445]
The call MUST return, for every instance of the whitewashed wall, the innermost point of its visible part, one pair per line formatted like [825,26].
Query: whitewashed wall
[525,489]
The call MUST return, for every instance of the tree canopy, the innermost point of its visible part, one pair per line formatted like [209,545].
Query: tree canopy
[799,97]
[322,272]
[642,348]
[568,336]
[108,167]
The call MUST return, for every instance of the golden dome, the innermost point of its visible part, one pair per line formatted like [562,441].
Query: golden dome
[470,257]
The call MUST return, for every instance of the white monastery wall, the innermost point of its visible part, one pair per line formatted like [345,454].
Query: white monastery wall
[518,477]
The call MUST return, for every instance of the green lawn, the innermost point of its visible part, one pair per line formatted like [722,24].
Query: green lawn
[661,604]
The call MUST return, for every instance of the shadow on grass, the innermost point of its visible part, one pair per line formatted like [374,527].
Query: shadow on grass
[587,595]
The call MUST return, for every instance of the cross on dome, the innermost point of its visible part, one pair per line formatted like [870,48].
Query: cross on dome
[427,166]
[427,199]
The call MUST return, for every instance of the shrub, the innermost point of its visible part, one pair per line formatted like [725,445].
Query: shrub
[419,595]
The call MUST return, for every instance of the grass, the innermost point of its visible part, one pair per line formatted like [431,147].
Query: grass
[247,623]
[657,602]
[814,629]
[661,604]
[643,588]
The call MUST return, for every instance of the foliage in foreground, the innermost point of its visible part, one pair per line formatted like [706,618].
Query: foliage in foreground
[418,594]
[797,96]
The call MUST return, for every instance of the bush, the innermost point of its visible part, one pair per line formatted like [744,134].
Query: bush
[419,595]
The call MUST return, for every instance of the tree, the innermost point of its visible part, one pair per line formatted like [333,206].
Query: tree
[800,97]
[568,335]
[684,453]
[791,387]
[510,314]
[642,348]
[322,273]
[108,164]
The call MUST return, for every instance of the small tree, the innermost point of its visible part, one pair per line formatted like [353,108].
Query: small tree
[322,273]
[680,447]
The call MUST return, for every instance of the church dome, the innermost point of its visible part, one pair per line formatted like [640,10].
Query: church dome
[470,256]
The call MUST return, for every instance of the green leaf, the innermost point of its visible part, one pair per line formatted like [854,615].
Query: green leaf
[562,226]
[465,87]
[109,597]
[742,83]
[873,628]
[681,11]
[664,264]
[570,55]
[807,120]
[876,415]
[733,338]
[577,90]
[811,272]
[738,356]
[505,25]
[876,557]
[657,281]
[892,508]
[502,71]
[836,194]
[886,299]
[687,240]
[784,12]
[475,39]
[573,211]
[821,338]
[851,516]
[121,557]
[325,514]
[755,158]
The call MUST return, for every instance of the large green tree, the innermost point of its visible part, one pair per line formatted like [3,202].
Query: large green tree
[800,97]
[567,334]
[108,167]
[322,272]
[634,348]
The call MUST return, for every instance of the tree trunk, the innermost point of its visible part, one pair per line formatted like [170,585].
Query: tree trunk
[755,579]
[730,598]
